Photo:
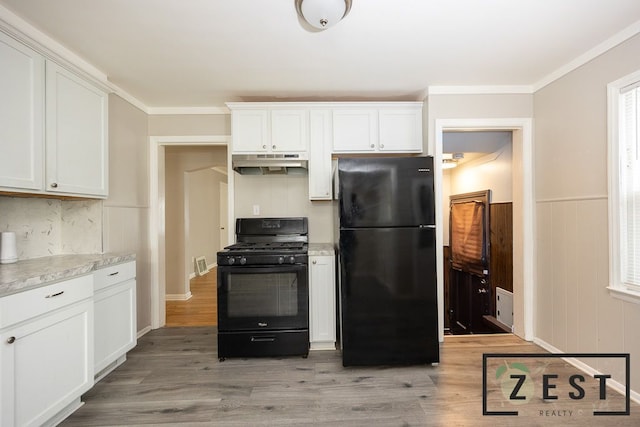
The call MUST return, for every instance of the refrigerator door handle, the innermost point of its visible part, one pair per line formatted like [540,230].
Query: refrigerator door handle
[427,226]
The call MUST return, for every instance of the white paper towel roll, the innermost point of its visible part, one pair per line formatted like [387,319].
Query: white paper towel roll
[8,250]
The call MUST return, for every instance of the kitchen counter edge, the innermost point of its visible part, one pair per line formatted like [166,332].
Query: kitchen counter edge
[32,273]
[321,249]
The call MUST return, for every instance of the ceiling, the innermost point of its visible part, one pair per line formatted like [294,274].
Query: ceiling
[201,53]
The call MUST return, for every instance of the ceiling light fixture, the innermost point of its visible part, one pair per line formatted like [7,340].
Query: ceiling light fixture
[322,14]
[450,160]
[449,163]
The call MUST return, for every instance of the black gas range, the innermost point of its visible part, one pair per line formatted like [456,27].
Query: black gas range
[249,253]
[263,292]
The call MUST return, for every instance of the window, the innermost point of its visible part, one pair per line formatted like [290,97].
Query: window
[624,187]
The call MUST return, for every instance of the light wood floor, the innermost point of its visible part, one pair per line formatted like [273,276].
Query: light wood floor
[173,377]
[201,309]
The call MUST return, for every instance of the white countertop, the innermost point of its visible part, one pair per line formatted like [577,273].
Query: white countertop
[321,249]
[32,273]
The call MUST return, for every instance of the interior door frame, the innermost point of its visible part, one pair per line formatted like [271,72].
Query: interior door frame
[523,214]
[157,210]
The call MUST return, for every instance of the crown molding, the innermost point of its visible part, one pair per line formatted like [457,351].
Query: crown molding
[608,44]
[22,31]
[479,90]
[187,110]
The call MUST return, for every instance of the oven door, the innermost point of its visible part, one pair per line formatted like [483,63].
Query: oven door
[263,297]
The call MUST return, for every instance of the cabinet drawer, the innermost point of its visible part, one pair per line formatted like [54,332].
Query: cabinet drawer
[113,274]
[26,305]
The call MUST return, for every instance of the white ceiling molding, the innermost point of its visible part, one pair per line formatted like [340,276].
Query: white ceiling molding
[608,44]
[19,29]
[187,110]
[478,90]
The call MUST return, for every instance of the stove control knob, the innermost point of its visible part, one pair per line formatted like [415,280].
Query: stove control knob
[231,260]
[243,261]
[280,260]
[292,260]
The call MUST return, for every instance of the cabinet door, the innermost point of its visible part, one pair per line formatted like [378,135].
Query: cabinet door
[320,177]
[76,134]
[21,115]
[249,129]
[322,298]
[289,130]
[114,323]
[400,130]
[46,365]
[355,130]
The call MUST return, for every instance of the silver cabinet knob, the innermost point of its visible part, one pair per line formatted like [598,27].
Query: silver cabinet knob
[264,146]
[373,146]
[381,145]
[11,340]
[314,262]
[273,147]
[54,185]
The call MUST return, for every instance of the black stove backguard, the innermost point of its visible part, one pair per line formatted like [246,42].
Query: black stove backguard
[263,290]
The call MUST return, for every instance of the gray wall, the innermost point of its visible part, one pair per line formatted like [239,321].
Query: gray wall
[178,161]
[126,211]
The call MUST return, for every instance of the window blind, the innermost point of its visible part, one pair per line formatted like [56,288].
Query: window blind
[467,235]
[630,185]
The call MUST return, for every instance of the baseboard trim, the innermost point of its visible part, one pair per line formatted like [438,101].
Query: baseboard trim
[615,385]
[178,297]
[143,331]
[209,268]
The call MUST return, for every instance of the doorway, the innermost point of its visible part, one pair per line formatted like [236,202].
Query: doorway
[523,216]
[478,230]
[160,251]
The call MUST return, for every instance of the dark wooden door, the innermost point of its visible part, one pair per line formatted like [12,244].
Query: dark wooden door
[470,292]
[470,299]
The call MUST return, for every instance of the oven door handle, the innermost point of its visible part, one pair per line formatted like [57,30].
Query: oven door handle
[269,338]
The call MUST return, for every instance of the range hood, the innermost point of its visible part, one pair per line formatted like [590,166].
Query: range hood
[269,164]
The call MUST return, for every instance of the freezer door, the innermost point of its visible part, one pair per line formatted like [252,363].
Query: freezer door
[386,192]
[388,296]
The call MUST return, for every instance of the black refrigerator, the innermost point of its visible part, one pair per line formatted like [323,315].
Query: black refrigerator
[387,261]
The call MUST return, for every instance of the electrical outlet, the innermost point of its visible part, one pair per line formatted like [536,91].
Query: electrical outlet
[256,209]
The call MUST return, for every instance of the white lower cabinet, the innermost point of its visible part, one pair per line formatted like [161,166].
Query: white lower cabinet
[115,316]
[322,301]
[46,352]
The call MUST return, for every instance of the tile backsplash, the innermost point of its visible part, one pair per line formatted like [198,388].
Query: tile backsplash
[46,227]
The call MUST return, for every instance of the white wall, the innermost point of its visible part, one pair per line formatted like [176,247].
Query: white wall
[574,311]
[490,171]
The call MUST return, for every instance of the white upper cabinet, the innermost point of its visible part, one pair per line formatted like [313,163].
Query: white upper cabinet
[400,129]
[268,128]
[76,134]
[249,129]
[67,156]
[393,127]
[355,130]
[320,178]
[289,130]
[21,115]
